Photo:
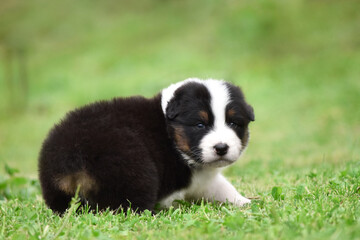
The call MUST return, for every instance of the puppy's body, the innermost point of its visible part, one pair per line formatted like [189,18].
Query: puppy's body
[143,151]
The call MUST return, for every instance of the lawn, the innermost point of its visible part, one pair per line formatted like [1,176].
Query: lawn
[297,62]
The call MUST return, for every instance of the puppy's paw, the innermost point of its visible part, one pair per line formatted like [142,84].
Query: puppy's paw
[241,201]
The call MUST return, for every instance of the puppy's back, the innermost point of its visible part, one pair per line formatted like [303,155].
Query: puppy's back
[115,150]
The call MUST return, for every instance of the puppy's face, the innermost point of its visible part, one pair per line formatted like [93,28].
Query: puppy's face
[208,121]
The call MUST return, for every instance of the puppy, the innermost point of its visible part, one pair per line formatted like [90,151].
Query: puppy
[136,152]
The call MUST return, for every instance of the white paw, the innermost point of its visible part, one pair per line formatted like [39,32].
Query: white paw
[241,201]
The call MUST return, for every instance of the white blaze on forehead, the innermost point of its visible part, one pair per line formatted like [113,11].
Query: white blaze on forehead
[219,99]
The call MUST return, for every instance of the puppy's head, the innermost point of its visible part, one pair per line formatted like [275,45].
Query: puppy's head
[208,121]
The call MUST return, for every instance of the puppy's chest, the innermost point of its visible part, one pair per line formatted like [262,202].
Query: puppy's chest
[200,182]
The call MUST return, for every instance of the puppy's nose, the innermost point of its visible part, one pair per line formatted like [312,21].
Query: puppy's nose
[221,149]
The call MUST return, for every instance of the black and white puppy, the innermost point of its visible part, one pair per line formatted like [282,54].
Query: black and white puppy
[138,152]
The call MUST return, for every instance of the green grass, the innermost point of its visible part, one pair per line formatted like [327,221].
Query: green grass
[297,62]
[314,204]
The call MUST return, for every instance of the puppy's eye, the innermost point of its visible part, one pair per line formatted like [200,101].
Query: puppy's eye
[234,125]
[200,125]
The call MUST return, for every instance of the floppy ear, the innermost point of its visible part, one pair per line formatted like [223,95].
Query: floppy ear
[172,109]
[250,112]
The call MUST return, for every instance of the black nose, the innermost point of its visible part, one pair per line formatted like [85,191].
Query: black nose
[221,149]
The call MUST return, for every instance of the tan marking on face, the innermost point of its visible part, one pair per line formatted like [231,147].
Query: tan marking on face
[181,140]
[231,112]
[204,116]
[69,183]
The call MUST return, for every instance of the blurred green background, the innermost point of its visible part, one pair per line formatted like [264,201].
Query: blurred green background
[298,63]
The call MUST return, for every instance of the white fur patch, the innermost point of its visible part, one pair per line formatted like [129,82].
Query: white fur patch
[168,201]
[210,185]
[198,189]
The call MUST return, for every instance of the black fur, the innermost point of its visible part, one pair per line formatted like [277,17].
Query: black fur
[244,113]
[238,103]
[123,144]
[183,112]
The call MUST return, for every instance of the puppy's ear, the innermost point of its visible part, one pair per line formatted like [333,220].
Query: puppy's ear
[250,112]
[172,109]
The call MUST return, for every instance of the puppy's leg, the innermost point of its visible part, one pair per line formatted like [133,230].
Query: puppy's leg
[124,181]
[220,189]
[56,199]
[120,198]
